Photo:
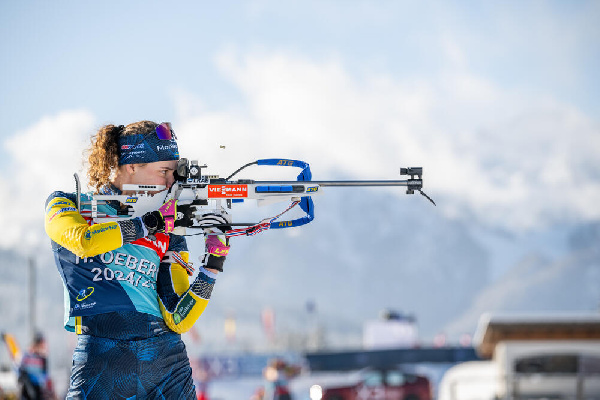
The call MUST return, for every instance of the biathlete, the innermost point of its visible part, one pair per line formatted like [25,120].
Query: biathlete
[126,296]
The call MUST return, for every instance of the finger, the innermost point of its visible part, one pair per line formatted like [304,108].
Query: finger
[212,219]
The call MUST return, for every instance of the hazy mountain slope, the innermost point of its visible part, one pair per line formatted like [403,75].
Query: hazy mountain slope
[569,284]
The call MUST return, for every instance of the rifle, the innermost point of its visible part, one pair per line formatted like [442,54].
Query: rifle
[199,195]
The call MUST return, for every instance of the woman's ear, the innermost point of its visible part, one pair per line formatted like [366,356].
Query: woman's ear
[130,168]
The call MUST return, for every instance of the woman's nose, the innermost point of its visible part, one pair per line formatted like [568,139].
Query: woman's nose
[170,179]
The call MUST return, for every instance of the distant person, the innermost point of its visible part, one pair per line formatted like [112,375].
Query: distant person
[277,375]
[127,296]
[201,379]
[34,381]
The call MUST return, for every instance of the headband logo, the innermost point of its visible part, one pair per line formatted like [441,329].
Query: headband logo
[168,147]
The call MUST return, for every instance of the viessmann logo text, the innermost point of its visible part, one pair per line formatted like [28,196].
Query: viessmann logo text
[227,191]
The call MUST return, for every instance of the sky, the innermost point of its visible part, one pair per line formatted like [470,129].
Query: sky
[497,101]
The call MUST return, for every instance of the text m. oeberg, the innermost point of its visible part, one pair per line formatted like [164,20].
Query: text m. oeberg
[131,262]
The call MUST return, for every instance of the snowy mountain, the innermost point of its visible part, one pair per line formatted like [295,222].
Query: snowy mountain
[374,250]
[363,252]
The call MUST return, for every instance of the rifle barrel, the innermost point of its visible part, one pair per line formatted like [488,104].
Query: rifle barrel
[405,182]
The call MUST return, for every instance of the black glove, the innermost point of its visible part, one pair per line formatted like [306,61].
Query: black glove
[154,222]
[185,215]
[161,220]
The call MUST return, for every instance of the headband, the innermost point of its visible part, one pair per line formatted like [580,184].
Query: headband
[142,149]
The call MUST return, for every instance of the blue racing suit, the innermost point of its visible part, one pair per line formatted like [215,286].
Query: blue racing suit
[128,301]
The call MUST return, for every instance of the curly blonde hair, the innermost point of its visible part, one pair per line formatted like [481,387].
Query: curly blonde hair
[104,152]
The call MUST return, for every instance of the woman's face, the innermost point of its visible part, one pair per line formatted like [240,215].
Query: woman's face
[156,173]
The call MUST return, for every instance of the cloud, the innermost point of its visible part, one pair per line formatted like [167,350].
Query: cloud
[509,158]
[293,107]
[44,157]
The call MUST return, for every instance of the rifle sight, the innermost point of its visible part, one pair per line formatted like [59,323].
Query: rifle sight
[418,171]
